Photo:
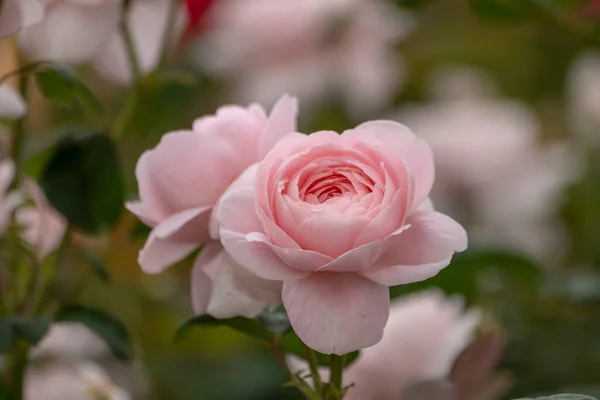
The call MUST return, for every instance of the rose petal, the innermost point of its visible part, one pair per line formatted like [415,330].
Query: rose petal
[416,152]
[12,105]
[421,251]
[257,256]
[70,33]
[10,17]
[336,312]
[238,292]
[281,122]
[331,235]
[202,285]
[173,239]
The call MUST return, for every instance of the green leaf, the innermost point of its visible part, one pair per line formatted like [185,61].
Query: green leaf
[31,330]
[244,325]
[83,181]
[61,84]
[7,336]
[96,265]
[109,328]
[412,3]
[291,343]
[504,10]
[563,397]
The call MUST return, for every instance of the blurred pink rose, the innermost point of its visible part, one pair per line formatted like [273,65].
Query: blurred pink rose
[15,14]
[424,335]
[78,32]
[8,200]
[181,181]
[492,166]
[42,226]
[320,47]
[337,218]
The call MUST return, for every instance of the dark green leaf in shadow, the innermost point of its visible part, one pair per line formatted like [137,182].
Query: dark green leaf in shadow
[83,181]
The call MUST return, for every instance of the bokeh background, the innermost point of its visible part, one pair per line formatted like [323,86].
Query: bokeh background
[506,91]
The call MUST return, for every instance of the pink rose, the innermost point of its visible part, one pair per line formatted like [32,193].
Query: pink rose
[181,181]
[337,218]
[183,177]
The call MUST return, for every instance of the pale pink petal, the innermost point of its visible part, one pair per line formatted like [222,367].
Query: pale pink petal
[202,285]
[69,32]
[173,239]
[336,312]
[32,11]
[147,23]
[416,152]
[10,17]
[236,211]
[143,211]
[244,183]
[43,228]
[331,235]
[238,292]
[281,122]
[185,170]
[7,174]
[421,251]
[257,256]
[12,104]
[298,259]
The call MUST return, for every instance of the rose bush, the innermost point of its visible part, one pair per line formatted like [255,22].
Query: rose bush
[338,219]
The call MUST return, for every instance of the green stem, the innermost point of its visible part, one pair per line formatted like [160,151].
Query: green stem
[314,369]
[337,369]
[15,371]
[169,32]
[128,41]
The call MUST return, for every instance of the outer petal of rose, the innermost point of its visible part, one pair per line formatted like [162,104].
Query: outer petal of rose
[173,239]
[70,33]
[257,256]
[238,292]
[165,172]
[336,312]
[244,181]
[10,17]
[147,21]
[202,284]
[421,251]
[281,122]
[12,105]
[416,152]
[298,259]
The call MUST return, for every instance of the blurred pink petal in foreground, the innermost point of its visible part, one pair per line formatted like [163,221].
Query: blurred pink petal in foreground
[338,219]
[492,166]
[312,48]
[180,183]
[424,335]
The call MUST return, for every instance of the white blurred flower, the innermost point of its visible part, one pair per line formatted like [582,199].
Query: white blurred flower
[15,14]
[78,32]
[79,381]
[490,164]
[583,91]
[424,335]
[8,200]
[310,48]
